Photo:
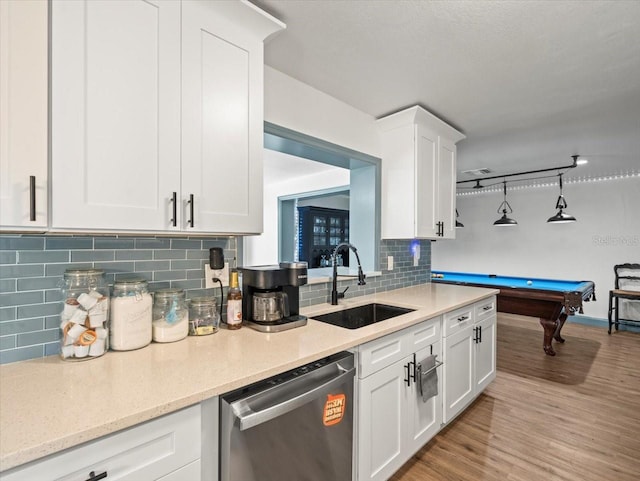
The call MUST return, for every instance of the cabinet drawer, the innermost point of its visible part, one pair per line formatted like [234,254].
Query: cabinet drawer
[145,452]
[189,472]
[457,320]
[485,308]
[424,334]
[380,353]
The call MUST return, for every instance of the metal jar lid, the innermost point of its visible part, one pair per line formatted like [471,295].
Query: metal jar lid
[78,273]
[130,283]
[166,294]
[205,301]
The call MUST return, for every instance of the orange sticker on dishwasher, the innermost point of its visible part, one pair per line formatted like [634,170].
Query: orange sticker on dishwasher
[334,409]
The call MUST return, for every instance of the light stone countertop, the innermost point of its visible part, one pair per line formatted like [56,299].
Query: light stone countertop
[47,405]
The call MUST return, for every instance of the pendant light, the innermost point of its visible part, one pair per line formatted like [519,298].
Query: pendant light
[505,208]
[458,223]
[561,217]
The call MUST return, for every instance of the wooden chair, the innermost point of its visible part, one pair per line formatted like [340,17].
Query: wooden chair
[627,287]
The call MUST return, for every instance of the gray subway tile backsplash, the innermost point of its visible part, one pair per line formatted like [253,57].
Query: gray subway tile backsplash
[92,256]
[113,243]
[23,325]
[152,243]
[67,243]
[42,257]
[21,298]
[33,266]
[14,243]
[17,271]
[7,313]
[21,354]
[7,257]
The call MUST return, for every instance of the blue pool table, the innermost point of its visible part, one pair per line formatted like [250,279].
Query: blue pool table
[548,299]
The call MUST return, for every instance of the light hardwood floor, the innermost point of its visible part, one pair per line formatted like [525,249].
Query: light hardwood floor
[572,417]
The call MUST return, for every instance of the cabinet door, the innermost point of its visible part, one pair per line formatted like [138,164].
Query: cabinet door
[382,417]
[222,115]
[446,188]
[458,385]
[23,114]
[426,182]
[148,451]
[115,114]
[425,418]
[485,369]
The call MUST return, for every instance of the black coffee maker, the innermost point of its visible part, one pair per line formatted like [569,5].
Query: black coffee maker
[271,297]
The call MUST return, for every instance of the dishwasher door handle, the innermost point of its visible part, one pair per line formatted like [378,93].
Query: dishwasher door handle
[255,418]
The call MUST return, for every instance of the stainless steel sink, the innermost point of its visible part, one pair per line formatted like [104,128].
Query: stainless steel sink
[361,316]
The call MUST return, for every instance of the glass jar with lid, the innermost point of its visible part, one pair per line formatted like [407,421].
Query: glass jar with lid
[131,314]
[84,319]
[170,315]
[204,318]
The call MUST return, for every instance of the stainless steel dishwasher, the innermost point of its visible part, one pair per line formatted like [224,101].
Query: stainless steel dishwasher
[297,426]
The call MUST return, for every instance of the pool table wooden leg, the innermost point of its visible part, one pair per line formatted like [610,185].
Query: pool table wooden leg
[561,320]
[549,327]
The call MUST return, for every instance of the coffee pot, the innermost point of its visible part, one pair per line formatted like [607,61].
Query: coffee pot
[271,296]
[270,306]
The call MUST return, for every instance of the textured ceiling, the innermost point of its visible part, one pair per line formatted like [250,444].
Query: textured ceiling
[529,82]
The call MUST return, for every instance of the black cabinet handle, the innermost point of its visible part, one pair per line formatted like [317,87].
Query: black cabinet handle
[412,367]
[95,477]
[32,198]
[191,219]
[479,333]
[407,379]
[174,201]
[475,335]
[463,318]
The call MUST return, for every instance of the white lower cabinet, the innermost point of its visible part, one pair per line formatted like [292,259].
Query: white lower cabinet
[186,473]
[393,421]
[469,354]
[167,448]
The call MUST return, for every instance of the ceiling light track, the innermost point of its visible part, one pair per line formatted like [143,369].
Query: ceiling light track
[527,172]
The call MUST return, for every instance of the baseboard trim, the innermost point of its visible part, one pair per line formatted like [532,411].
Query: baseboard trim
[598,322]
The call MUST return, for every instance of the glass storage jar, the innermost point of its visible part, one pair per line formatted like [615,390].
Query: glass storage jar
[204,318]
[84,319]
[131,310]
[170,315]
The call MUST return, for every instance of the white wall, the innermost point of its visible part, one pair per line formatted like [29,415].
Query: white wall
[607,233]
[331,202]
[297,106]
[263,249]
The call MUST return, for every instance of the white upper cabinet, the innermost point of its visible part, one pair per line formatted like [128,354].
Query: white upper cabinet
[157,115]
[222,114]
[115,114]
[23,115]
[418,175]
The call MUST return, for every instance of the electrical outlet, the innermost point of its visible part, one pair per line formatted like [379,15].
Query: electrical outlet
[222,274]
[389,263]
